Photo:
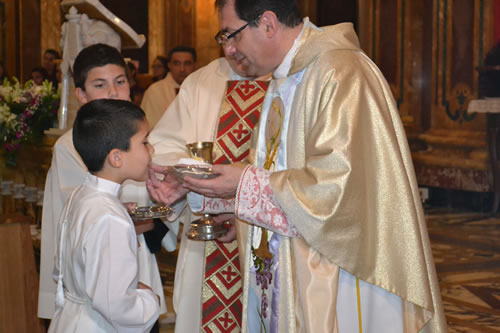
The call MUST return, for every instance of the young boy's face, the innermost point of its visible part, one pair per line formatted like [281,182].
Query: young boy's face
[138,158]
[109,81]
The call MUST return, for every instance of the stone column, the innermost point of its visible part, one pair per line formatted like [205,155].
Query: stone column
[156,30]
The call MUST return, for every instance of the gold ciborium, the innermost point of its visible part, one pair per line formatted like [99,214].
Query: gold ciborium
[204,229]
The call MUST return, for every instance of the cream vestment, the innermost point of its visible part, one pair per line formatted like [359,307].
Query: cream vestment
[158,97]
[191,117]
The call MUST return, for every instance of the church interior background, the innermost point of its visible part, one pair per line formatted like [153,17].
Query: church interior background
[432,54]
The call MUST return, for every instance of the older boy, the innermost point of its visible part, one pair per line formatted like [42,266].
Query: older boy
[97,266]
[99,72]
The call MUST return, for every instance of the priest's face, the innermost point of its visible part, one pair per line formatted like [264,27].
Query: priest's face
[137,159]
[246,49]
[109,81]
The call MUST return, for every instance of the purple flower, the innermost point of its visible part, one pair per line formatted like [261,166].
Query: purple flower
[28,113]
[10,147]
[19,135]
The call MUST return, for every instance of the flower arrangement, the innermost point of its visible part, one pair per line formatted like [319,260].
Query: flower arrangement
[25,113]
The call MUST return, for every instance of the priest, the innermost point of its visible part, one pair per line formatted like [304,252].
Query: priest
[336,238]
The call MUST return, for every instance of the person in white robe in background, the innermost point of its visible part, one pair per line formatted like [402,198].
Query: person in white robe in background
[159,95]
[193,116]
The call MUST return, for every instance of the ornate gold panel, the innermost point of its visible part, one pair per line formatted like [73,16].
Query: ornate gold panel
[457,155]
[428,50]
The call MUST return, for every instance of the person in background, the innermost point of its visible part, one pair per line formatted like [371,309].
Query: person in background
[159,95]
[136,95]
[49,63]
[136,92]
[97,266]
[131,74]
[38,75]
[194,116]
[159,68]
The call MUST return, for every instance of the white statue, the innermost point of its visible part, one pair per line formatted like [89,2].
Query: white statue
[95,31]
[94,24]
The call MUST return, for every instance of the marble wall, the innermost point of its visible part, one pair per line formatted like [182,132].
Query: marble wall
[429,50]
[20,45]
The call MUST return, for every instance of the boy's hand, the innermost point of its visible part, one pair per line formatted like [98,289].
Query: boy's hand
[130,206]
[141,285]
[143,226]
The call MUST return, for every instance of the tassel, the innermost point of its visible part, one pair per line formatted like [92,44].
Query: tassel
[60,292]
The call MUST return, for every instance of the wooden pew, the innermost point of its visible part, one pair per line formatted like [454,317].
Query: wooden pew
[18,280]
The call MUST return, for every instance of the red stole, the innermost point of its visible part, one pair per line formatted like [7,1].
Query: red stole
[222,285]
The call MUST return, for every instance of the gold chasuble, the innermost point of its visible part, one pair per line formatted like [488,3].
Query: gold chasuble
[222,284]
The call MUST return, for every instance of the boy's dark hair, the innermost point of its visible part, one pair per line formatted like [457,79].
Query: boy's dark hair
[102,125]
[287,11]
[181,48]
[97,55]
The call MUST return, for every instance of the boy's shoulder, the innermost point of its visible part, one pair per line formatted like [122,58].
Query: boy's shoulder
[65,152]
[65,140]
[65,144]
[95,204]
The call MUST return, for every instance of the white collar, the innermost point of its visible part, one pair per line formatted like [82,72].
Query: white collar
[103,185]
[286,64]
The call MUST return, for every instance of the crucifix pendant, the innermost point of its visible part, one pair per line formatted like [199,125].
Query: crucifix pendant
[263,250]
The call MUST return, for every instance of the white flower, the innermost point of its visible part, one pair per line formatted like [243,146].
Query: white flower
[6,92]
[7,118]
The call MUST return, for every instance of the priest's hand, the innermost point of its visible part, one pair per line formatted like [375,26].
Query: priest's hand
[168,190]
[231,233]
[223,186]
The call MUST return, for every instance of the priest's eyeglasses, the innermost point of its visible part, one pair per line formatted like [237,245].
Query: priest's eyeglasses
[222,38]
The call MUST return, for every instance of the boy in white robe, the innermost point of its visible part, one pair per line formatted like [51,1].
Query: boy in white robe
[97,264]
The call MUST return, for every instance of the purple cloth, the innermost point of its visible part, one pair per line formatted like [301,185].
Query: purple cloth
[274,244]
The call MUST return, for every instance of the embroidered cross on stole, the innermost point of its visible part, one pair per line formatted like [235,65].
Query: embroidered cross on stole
[222,284]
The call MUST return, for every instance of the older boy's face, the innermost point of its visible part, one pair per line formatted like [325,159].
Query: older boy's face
[138,158]
[109,81]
